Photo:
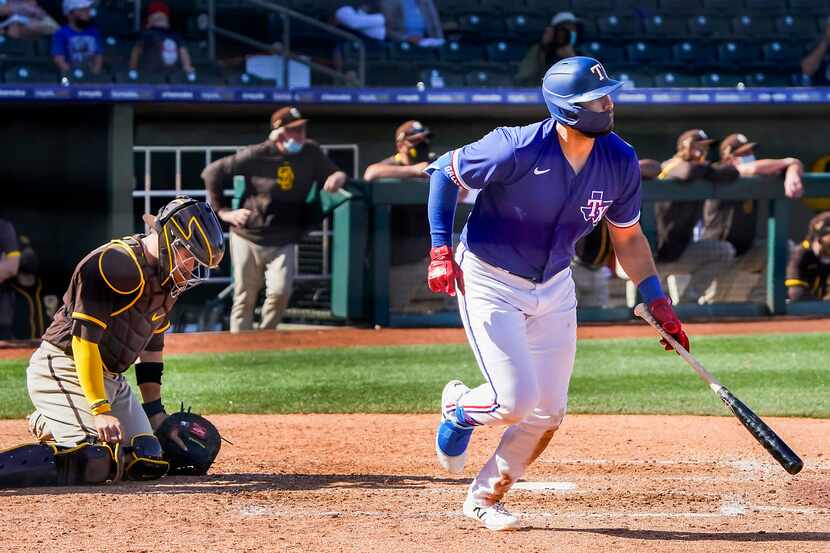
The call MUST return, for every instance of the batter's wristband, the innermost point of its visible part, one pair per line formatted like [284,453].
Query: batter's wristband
[153,408]
[148,372]
[650,289]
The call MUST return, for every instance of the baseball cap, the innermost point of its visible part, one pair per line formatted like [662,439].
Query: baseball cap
[412,130]
[158,7]
[563,17]
[72,5]
[692,136]
[736,145]
[287,117]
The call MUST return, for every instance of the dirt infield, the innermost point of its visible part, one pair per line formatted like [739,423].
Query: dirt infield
[371,483]
[217,342]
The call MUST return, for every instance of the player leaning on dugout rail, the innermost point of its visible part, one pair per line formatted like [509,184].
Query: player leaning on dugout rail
[543,186]
[90,426]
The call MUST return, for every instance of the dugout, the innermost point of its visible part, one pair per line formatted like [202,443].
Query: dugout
[71,168]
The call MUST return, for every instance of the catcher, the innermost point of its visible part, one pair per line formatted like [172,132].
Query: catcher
[90,426]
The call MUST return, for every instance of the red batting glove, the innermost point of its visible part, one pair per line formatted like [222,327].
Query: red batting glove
[444,274]
[662,310]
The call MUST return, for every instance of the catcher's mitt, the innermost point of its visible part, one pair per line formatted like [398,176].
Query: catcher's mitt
[190,442]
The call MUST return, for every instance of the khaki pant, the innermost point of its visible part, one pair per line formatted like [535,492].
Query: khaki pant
[253,265]
[704,261]
[62,412]
[591,285]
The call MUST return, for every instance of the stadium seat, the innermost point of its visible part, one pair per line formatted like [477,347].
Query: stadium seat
[782,54]
[796,28]
[375,51]
[691,53]
[738,53]
[128,76]
[752,26]
[204,75]
[390,74]
[809,7]
[610,54]
[634,79]
[486,78]
[660,27]
[525,26]
[247,79]
[198,50]
[680,7]
[766,7]
[460,52]
[406,52]
[505,52]
[548,8]
[114,21]
[709,26]
[639,8]
[761,78]
[676,80]
[718,79]
[722,7]
[591,7]
[481,24]
[117,50]
[11,48]
[80,76]
[30,73]
[615,26]
[646,52]
[441,78]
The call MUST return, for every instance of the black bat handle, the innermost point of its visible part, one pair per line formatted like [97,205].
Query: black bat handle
[765,435]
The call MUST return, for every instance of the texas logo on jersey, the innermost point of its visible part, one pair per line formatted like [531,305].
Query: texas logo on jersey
[596,207]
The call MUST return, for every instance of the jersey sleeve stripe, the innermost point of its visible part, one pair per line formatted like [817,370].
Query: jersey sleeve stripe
[795,282]
[15,253]
[89,318]
[624,225]
[456,173]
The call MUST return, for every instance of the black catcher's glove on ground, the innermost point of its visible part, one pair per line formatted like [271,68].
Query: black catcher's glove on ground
[190,443]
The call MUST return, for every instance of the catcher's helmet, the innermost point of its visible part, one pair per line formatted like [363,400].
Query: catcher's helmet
[188,229]
[572,81]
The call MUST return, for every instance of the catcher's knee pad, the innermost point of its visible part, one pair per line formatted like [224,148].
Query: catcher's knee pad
[28,465]
[143,459]
[88,464]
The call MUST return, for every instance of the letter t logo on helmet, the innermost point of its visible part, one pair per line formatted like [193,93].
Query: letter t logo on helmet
[573,81]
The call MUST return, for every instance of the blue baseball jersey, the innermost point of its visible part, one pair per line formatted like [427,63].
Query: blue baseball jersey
[532,208]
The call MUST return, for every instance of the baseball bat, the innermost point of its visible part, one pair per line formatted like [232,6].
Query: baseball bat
[765,436]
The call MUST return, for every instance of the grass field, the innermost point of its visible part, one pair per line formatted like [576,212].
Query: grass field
[787,375]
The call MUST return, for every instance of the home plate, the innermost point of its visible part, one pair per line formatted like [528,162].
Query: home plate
[545,486]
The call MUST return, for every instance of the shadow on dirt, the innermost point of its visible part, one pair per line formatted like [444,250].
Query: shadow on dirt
[249,482]
[668,535]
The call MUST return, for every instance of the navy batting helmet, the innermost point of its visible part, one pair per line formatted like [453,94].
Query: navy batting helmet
[573,81]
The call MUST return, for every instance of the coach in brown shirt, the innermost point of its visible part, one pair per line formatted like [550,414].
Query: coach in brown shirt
[279,174]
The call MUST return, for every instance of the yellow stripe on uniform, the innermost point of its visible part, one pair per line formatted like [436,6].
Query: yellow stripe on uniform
[162,329]
[90,318]
[15,253]
[138,289]
[795,282]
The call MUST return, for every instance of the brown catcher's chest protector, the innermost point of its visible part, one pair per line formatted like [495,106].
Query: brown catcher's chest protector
[117,294]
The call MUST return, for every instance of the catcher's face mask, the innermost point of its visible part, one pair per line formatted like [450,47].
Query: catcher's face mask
[190,243]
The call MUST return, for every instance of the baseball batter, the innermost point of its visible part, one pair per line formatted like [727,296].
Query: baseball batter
[543,186]
[89,423]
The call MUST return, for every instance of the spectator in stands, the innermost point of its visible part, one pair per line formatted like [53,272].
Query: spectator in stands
[364,18]
[78,43]
[736,221]
[590,267]
[414,21]
[160,50]
[808,271]
[558,41]
[24,19]
[815,67]
[279,175]
[32,310]
[409,229]
[677,252]
[9,265]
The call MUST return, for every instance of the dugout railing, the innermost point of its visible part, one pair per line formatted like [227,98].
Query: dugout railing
[362,246]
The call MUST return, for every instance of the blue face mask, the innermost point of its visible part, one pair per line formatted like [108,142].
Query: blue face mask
[572,39]
[292,146]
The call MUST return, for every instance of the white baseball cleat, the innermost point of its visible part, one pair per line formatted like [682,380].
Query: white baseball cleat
[451,440]
[495,517]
